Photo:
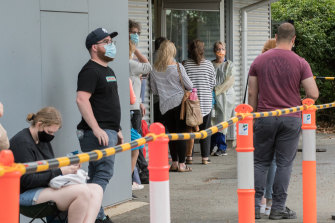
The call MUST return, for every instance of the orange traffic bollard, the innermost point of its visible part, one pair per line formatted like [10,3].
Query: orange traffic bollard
[159,176]
[309,162]
[245,166]
[9,190]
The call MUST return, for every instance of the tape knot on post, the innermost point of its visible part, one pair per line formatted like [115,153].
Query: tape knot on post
[308,115]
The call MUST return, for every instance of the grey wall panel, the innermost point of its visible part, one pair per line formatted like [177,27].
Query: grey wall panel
[30,32]
[20,62]
[63,55]
[113,15]
[65,5]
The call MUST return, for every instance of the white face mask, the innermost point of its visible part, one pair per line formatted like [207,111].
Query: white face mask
[110,50]
[135,38]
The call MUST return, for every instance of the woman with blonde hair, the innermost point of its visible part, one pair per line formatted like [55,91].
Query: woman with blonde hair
[165,81]
[202,74]
[81,201]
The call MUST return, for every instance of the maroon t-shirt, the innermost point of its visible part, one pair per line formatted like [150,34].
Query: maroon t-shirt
[279,74]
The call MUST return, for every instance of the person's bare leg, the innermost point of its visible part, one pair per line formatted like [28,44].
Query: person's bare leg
[134,155]
[189,145]
[94,202]
[73,198]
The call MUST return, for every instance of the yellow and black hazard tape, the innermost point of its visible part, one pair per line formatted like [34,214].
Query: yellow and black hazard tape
[204,133]
[324,78]
[44,165]
[324,106]
[279,112]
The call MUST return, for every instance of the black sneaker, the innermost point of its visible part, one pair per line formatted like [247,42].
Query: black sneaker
[220,153]
[106,220]
[134,197]
[257,213]
[282,214]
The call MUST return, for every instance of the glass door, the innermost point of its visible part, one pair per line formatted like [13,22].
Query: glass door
[183,26]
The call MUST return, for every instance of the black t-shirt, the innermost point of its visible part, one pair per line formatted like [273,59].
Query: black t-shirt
[101,82]
[26,150]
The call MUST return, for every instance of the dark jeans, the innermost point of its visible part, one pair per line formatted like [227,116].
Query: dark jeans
[157,113]
[136,121]
[272,135]
[175,125]
[142,165]
[100,171]
[205,143]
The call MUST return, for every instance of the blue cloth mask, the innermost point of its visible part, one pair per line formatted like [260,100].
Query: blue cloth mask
[110,50]
[135,38]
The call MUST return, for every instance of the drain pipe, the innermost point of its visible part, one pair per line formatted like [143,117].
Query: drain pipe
[244,14]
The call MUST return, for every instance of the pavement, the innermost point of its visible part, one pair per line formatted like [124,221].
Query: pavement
[208,193]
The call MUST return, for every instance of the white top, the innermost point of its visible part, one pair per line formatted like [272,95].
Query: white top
[168,87]
[136,68]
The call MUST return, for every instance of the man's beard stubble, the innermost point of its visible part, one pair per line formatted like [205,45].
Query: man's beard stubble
[104,58]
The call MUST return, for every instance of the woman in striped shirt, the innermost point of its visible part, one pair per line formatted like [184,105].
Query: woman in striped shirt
[165,82]
[202,74]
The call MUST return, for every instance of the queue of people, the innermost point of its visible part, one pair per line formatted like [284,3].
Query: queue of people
[272,75]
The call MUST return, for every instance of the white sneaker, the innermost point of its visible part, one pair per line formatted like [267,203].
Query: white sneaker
[262,210]
[267,211]
[137,186]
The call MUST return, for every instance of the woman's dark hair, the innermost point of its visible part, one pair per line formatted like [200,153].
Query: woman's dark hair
[196,51]
[133,24]
[158,42]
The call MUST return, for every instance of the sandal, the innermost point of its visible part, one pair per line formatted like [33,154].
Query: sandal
[187,169]
[189,160]
[173,169]
[205,162]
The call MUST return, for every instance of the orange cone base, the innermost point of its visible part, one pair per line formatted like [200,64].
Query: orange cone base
[9,194]
[246,205]
[309,191]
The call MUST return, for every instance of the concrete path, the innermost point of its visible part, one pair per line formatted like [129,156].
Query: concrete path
[208,194]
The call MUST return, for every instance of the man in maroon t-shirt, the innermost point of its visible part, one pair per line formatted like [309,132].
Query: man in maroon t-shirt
[275,78]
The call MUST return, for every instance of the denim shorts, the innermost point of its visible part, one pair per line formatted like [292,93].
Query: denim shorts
[30,197]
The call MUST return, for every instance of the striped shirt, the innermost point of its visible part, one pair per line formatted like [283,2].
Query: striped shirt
[203,79]
[168,87]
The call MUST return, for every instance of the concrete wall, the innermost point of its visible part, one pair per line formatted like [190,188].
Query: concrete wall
[42,50]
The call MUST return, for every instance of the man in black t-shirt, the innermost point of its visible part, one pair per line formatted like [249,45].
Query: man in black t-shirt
[99,104]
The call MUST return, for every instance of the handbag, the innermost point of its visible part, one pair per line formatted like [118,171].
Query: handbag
[189,108]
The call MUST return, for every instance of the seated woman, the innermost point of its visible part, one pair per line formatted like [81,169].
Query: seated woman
[82,201]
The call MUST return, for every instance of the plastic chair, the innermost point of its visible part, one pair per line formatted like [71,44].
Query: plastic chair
[40,211]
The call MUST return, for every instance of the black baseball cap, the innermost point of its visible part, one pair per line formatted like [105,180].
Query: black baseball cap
[97,35]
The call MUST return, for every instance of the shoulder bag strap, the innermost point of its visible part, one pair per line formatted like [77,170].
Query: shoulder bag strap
[181,80]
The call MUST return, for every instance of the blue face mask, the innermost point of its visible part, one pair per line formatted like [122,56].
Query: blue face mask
[110,50]
[135,38]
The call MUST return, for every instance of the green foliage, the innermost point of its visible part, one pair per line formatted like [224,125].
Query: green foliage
[314,21]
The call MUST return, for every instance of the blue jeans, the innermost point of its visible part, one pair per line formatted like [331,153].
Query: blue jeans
[30,197]
[100,171]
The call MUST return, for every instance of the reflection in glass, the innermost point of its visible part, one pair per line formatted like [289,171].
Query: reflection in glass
[183,26]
